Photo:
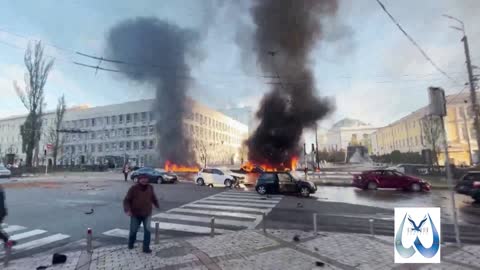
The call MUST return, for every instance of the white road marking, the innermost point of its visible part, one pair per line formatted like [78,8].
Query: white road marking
[41,242]
[216,213]
[122,234]
[26,234]
[224,207]
[236,203]
[248,194]
[264,198]
[266,201]
[13,228]
[187,228]
[203,219]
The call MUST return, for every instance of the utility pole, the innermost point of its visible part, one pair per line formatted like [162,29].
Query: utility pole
[468,136]
[471,82]
[473,94]
[316,146]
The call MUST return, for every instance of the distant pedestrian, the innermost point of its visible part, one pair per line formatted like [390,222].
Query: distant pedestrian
[3,214]
[126,170]
[138,206]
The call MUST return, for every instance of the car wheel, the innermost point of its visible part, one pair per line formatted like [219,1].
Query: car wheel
[135,179]
[415,187]
[372,185]
[262,190]
[160,180]
[210,185]
[305,192]
[228,183]
[200,182]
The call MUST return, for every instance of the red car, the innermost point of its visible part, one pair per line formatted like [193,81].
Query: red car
[389,179]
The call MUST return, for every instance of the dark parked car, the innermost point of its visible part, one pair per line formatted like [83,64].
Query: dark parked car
[154,175]
[469,185]
[283,182]
[375,179]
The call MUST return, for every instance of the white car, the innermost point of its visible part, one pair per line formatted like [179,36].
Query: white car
[4,172]
[216,177]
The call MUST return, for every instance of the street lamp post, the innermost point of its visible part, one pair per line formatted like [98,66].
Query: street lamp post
[468,136]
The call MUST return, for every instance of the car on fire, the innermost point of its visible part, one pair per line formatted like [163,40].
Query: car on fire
[157,176]
[218,177]
[469,185]
[285,183]
[375,179]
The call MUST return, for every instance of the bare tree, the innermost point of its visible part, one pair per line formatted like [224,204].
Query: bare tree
[33,98]
[54,135]
[432,129]
[202,151]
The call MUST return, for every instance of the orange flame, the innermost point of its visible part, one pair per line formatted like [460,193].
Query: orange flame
[172,167]
[249,166]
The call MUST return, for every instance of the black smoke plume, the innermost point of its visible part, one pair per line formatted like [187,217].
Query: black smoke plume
[157,54]
[286,31]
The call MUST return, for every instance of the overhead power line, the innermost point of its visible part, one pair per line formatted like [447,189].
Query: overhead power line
[429,59]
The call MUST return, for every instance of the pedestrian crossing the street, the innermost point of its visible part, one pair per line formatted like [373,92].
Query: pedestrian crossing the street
[232,210]
[30,239]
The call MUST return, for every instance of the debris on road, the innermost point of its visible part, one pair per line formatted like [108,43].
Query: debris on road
[296,238]
[89,212]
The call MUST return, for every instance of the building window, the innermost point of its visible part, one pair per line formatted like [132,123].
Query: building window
[107,120]
[120,132]
[112,133]
[129,118]
[92,148]
[144,131]
[87,122]
[100,147]
[135,131]
[150,115]
[128,145]
[114,146]
[114,120]
[107,147]
[92,135]
[135,145]
[120,145]
[150,144]
[127,132]
[120,119]
[143,145]
[135,117]
[144,116]
[150,130]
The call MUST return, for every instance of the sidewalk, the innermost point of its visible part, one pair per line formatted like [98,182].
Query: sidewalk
[252,249]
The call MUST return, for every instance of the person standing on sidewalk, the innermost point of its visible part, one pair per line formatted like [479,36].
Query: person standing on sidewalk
[126,170]
[3,214]
[138,206]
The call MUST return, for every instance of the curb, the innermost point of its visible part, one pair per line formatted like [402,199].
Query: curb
[348,184]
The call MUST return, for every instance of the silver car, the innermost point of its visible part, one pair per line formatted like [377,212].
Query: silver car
[4,172]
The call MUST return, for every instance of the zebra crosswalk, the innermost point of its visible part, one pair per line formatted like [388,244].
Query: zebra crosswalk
[232,210]
[30,239]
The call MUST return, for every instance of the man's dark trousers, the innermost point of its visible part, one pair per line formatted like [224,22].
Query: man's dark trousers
[134,225]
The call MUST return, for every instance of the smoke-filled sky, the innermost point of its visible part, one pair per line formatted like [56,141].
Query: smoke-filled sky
[368,67]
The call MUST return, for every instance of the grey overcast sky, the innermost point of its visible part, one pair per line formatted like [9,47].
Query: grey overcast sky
[371,71]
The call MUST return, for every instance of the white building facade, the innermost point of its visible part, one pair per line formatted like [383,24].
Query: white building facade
[346,131]
[127,132]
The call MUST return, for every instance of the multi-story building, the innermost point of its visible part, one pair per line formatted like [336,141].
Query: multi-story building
[348,131]
[121,132]
[408,133]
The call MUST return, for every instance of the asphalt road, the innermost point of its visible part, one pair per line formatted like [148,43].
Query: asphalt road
[61,207]
[55,207]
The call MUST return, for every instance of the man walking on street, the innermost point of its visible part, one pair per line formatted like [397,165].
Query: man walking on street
[126,170]
[138,205]
[3,214]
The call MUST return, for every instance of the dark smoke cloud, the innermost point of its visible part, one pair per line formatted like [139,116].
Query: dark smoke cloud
[154,42]
[290,28]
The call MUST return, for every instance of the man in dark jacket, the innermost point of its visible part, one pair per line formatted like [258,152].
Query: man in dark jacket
[138,205]
[3,214]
